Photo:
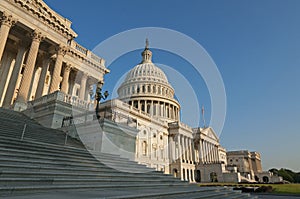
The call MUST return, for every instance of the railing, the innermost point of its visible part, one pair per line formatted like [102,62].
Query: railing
[75,101]
[81,49]
[91,116]
[87,53]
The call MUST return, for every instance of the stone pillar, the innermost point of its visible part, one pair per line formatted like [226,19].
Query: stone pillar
[28,70]
[208,152]
[6,23]
[83,86]
[205,151]
[211,152]
[14,76]
[202,150]
[173,112]
[152,108]
[7,62]
[45,67]
[65,81]
[217,151]
[179,147]
[173,149]
[191,151]
[54,86]
[183,148]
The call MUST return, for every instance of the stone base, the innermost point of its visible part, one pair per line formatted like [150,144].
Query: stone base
[51,109]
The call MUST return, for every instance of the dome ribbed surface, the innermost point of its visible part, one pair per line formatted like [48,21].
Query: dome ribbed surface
[146,72]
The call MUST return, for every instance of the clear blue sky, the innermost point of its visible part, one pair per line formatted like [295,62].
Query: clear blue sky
[255,44]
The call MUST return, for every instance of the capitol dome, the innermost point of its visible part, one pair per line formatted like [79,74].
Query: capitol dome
[146,88]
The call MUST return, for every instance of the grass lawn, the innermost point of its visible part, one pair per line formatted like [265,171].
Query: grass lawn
[277,188]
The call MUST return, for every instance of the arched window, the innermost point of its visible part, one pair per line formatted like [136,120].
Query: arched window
[144,148]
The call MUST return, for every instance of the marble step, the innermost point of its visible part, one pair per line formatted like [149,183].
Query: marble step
[71,160]
[82,181]
[173,192]
[64,165]
[35,173]
[9,190]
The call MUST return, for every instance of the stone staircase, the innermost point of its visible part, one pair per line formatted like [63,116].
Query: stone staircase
[42,165]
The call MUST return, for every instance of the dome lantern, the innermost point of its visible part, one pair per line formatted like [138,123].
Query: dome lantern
[147,54]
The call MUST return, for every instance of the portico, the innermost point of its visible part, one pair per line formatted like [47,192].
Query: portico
[42,57]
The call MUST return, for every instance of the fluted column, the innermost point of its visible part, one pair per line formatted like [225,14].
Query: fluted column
[152,108]
[179,147]
[205,151]
[183,148]
[210,152]
[218,157]
[191,151]
[54,86]
[83,86]
[41,85]
[14,76]
[29,67]
[6,23]
[65,81]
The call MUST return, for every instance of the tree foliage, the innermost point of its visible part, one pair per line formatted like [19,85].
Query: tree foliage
[287,175]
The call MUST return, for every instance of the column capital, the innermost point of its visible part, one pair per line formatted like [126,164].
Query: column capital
[84,75]
[36,35]
[61,50]
[7,19]
[68,67]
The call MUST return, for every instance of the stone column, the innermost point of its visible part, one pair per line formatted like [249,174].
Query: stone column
[173,149]
[29,67]
[173,112]
[151,108]
[179,147]
[188,149]
[202,150]
[217,151]
[183,148]
[208,152]
[211,152]
[215,154]
[40,88]
[83,86]
[7,62]
[54,86]
[6,23]
[65,81]
[191,151]
[14,76]
[205,151]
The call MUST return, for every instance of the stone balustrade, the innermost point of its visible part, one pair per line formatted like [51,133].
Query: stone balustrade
[60,96]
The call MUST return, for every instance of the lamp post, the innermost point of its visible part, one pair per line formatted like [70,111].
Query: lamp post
[99,96]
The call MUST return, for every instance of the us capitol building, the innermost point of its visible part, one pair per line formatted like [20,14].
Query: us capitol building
[47,75]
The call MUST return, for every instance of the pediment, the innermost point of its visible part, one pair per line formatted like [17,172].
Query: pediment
[209,132]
